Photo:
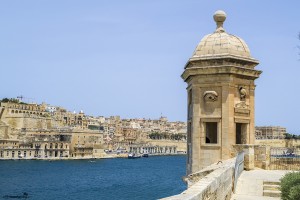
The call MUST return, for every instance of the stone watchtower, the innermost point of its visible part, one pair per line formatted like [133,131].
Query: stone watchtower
[220,77]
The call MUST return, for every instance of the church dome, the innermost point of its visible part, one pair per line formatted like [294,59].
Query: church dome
[221,43]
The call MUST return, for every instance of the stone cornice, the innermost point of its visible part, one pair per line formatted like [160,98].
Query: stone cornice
[221,59]
[193,71]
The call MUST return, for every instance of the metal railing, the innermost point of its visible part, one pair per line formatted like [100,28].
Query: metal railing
[238,168]
[282,158]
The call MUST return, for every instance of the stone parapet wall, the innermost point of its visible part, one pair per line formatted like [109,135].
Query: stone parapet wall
[262,157]
[255,155]
[279,142]
[270,157]
[215,182]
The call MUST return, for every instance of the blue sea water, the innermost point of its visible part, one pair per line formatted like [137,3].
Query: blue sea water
[145,178]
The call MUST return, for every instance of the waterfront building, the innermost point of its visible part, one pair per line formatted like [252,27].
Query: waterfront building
[84,142]
[220,77]
[36,127]
[14,149]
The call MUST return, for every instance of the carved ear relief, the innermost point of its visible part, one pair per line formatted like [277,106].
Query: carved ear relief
[210,96]
[243,93]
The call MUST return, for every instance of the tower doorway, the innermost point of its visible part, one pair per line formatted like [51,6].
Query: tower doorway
[241,133]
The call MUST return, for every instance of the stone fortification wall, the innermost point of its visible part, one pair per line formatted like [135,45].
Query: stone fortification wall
[215,182]
[29,121]
[4,130]
[279,142]
[18,122]
[181,145]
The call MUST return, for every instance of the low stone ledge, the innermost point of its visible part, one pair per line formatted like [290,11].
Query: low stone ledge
[216,184]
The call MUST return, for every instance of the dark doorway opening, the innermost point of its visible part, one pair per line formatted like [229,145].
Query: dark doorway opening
[241,133]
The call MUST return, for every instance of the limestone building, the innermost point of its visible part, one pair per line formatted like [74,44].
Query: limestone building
[270,132]
[220,77]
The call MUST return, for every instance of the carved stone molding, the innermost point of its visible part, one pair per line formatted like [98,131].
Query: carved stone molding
[242,105]
[210,96]
[243,93]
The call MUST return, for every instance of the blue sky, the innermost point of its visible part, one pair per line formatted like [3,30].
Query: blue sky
[126,57]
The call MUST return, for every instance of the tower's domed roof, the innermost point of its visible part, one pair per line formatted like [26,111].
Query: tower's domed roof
[221,43]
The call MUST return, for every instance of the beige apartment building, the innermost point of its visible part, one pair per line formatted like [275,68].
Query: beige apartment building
[269,132]
[13,149]
[83,144]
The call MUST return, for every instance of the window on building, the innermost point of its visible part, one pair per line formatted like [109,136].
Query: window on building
[1,154]
[13,154]
[211,129]
[7,153]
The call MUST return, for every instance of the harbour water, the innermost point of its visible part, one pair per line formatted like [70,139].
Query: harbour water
[145,178]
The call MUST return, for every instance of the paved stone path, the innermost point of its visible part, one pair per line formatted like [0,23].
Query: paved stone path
[250,184]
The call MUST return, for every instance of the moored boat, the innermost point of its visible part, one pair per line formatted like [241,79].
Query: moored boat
[133,156]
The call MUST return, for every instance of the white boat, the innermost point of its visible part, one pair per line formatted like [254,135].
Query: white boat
[133,156]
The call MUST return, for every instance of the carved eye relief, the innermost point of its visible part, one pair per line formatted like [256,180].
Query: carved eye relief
[210,96]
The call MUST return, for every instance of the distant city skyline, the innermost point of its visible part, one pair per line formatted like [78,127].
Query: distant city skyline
[125,58]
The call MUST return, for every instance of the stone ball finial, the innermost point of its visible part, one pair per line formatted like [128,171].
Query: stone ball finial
[220,17]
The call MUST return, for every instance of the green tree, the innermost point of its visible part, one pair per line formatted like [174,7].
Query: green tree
[291,136]
[155,136]
[5,100]
[13,100]
[290,186]
[295,192]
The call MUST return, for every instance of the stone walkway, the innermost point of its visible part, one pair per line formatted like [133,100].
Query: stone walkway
[250,184]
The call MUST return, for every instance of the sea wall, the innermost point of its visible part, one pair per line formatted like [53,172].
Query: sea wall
[181,145]
[213,182]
